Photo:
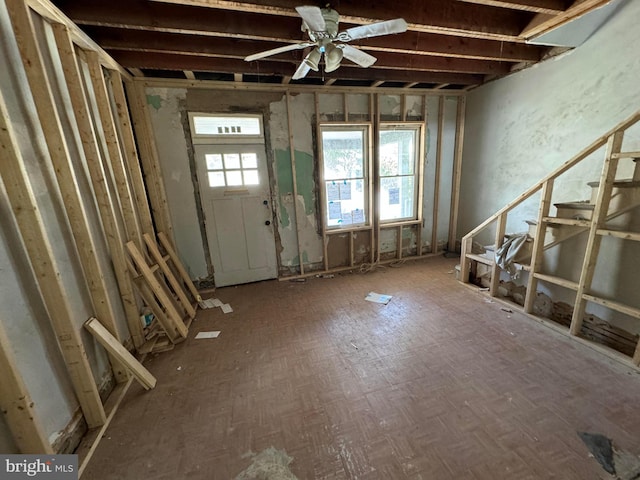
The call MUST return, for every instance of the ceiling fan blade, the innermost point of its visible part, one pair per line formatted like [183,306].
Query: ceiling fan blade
[357,56]
[376,29]
[275,51]
[301,72]
[312,16]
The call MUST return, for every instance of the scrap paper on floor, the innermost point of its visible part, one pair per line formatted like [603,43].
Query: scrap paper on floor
[378,298]
[226,308]
[213,334]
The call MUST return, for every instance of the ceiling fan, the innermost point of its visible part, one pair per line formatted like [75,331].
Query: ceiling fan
[321,24]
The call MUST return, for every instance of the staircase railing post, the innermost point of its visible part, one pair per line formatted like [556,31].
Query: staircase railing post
[538,245]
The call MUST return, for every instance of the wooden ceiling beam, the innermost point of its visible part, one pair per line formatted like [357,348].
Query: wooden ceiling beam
[238,49]
[385,60]
[284,69]
[543,23]
[549,7]
[432,16]
[407,43]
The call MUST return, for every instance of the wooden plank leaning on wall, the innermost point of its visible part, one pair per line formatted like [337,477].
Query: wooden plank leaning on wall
[106,204]
[149,158]
[44,262]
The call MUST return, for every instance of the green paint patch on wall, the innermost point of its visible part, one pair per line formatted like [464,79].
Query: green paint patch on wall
[155,101]
[284,177]
[305,180]
[295,261]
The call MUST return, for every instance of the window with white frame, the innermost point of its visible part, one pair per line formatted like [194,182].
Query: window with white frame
[345,173]
[397,171]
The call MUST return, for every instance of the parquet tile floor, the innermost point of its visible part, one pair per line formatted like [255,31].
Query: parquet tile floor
[438,384]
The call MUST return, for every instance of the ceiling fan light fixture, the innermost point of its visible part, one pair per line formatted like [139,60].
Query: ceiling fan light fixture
[313,58]
[332,58]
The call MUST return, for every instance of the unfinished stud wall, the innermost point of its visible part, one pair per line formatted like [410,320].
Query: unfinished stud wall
[290,121]
[56,246]
[522,127]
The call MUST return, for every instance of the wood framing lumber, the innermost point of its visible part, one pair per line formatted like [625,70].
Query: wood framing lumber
[17,406]
[114,347]
[104,201]
[159,290]
[152,247]
[44,263]
[457,173]
[158,311]
[607,177]
[130,150]
[538,245]
[436,187]
[149,157]
[127,205]
[166,244]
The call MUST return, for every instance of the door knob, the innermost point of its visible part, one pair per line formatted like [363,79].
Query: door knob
[268,222]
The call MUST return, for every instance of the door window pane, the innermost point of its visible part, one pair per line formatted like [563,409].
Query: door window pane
[231,160]
[214,161]
[234,178]
[251,177]
[249,160]
[216,179]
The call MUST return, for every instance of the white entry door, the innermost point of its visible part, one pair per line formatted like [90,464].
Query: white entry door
[236,201]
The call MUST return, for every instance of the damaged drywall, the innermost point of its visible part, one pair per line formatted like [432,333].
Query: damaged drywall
[306,225]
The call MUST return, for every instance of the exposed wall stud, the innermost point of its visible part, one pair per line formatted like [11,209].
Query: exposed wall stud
[17,406]
[105,203]
[436,187]
[457,173]
[43,261]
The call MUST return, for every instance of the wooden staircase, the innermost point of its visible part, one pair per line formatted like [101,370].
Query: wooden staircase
[610,198]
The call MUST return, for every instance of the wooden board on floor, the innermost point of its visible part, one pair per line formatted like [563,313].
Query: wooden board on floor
[114,347]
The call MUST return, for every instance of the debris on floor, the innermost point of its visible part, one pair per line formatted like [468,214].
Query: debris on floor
[378,298]
[622,464]
[210,303]
[270,464]
[226,308]
[213,334]
[508,310]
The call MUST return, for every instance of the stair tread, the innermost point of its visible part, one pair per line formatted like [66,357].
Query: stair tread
[567,221]
[625,183]
[480,258]
[579,205]
[557,280]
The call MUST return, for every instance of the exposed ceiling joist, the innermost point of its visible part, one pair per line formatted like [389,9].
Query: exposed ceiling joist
[543,23]
[549,7]
[435,16]
[454,42]
[229,65]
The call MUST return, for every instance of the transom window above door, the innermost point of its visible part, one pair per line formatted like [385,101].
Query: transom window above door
[232,169]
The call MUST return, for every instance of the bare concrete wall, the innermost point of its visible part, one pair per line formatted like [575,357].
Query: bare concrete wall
[520,128]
